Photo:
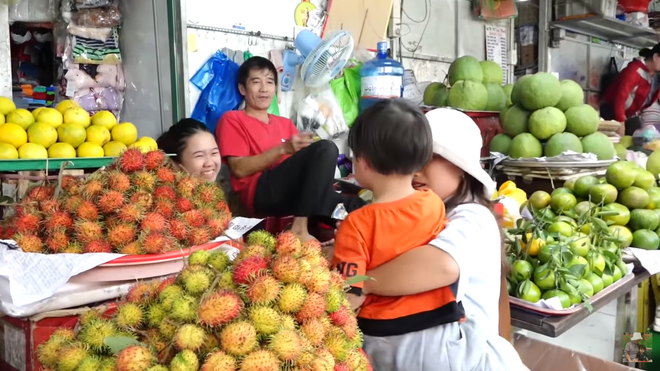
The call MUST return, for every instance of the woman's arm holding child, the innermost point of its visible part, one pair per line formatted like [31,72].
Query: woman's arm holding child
[350,259]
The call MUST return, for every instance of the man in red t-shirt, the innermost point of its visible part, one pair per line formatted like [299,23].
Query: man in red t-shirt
[276,170]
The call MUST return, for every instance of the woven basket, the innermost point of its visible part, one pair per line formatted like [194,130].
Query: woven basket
[609,126]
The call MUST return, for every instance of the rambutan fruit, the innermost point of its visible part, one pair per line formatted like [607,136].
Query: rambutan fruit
[208,193]
[41,193]
[142,293]
[266,320]
[208,212]
[337,344]
[28,223]
[168,295]
[249,269]
[226,281]
[142,199]
[165,192]
[153,339]
[189,337]
[29,243]
[196,283]
[166,282]
[70,356]
[107,364]
[219,308]
[47,353]
[111,201]
[165,208]
[286,344]
[252,250]
[97,246]
[63,333]
[260,360]
[179,229]
[286,268]
[219,361]
[186,185]
[94,334]
[131,248]
[88,317]
[238,338]
[184,361]
[292,298]
[90,363]
[263,290]
[222,207]
[58,220]
[314,307]
[342,366]
[219,260]
[57,240]
[305,271]
[320,282]
[311,247]
[131,160]
[112,221]
[131,213]
[357,360]
[87,211]
[288,243]
[211,343]
[337,280]
[118,181]
[194,218]
[69,182]
[91,188]
[121,234]
[199,257]
[167,328]
[129,316]
[49,206]
[288,322]
[144,181]
[156,243]
[199,236]
[340,316]
[70,205]
[134,357]
[184,308]
[154,159]
[184,204]
[314,331]
[333,299]
[350,327]
[262,238]
[154,222]
[165,175]
[155,314]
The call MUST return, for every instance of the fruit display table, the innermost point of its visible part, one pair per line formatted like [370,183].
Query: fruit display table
[55,164]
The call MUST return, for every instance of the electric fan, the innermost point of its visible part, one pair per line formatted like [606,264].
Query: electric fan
[321,59]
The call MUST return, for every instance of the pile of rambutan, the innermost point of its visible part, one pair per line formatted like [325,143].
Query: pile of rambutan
[275,307]
[141,204]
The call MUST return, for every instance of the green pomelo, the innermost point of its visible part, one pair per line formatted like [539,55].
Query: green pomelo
[605,193]
[645,239]
[634,198]
[492,72]
[518,87]
[571,95]
[496,97]
[621,151]
[626,141]
[653,163]
[465,68]
[508,88]
[598,144]
[654,200]
[621,175]
[468,95]
[525,146]
[500,143]
[441,97]
[645,180]
[643,219]
[582,120]
[562,142]
[430,92]
[546,122]
[542,90]
[515,121]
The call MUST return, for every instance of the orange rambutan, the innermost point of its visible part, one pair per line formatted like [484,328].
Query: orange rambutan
[165,193]
[165,175]
[91,188]
[165,207]
[199,236]
[57,240]
[41,193]
[97,246]
[8,231]
[29,243]
[28,223]
[156,243]
[132,248]
[144,180]
[87,211]
[121,234]
[179,229]
[142,293]
[49,206]
[87,231]
[154,222]
[186,186]
[167,282]
[248,269]
[194,218]
[184,204]
[131,213]
[154,159]
[72,248]
[58,219]
[131,160]
[142,199]
[217,227]
[70,205]
[118,181]
[111,201]
[69,183]
[208,213]
[222,206]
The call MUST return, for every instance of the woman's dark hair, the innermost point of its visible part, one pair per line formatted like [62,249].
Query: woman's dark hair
[648,54]
[175,140]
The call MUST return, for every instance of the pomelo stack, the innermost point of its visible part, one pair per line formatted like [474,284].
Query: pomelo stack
[473,86]
[64,132]
[548,117]
[144,204]
[276,307]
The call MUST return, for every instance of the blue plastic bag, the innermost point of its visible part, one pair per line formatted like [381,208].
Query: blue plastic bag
[218,81]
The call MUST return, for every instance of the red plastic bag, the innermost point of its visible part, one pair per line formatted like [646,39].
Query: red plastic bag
[630,6]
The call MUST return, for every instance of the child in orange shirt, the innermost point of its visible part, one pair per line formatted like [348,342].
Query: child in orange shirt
[391,141]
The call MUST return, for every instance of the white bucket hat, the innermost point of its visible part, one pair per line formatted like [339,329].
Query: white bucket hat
[457,138]
[636,336]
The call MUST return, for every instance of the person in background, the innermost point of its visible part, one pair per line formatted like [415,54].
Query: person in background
[467,254]
[632,348]
[276,170]
[636,88]
[642,356]
[195,148]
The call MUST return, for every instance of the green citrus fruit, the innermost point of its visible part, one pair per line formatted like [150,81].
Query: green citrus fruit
[544,278]
[605,193]
[622,233]
[539,200]
[582,245]
[562,228]
[563,297]
[521,270]
[623,216]
[583,184]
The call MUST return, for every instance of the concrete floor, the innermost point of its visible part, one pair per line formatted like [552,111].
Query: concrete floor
[593,336]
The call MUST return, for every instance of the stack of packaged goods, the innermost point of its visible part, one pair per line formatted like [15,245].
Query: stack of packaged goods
[92,63]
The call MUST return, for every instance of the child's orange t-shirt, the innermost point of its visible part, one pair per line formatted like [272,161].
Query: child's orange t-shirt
[378,233]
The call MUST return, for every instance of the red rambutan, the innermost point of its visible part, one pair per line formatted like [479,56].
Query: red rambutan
[111,201]
[87,211]
[28,223]
[183,205]
[133,248]
[155,159]
[58,219]
[340,317]
[49,206]
[217,227]
[87,231]
[144,180]
[288,243]
[157,243]
[142,293]
[208,193]
[142,199]
[57,240]
[208,213]
[118,181]
[154,222]
[165,193]
[222,206]
[70,205]
[199,236]
[121,234]
[41,193]
[194,218]
[8,232]
[165,175]
[97,246]
[219,309]
[179,229]
[131,213]
[167,282]
[131,160]
[112,221]
[186,186]
[69,183]
[29,243]
[164,207]
[91,188]
[342,366]
[250,268]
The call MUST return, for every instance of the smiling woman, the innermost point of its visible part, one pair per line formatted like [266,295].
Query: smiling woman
[195,148]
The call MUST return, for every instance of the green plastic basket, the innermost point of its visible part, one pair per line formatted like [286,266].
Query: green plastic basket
[55,164]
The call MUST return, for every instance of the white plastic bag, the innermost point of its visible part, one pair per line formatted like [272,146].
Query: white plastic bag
[320,113]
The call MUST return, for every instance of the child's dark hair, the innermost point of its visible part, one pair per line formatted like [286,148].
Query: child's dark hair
[175,140]
[642,346]
[255,64]
[394,136]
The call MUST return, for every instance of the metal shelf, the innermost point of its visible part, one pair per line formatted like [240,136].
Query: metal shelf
[611,29]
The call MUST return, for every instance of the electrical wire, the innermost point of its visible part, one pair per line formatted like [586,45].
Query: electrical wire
[425,20]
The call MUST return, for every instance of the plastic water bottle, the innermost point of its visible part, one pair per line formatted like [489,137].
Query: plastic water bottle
[381,77]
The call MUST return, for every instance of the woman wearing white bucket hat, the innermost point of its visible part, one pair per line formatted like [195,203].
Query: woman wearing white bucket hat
[467,256]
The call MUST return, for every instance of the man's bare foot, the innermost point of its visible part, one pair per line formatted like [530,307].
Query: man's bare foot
[328,243]
[304,237]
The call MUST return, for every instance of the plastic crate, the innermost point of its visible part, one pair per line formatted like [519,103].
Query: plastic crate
[630,6]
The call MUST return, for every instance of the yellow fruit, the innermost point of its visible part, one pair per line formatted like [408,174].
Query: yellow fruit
[50,116]
[13,134]
[2,119]
[8,152]
[61,150]
[151,141]
[64,105]
[114,149]
[32,151]
[508,185]
[6,105]
[42,134]
[89,149]
[72,134]
[77,116]
[98,135]
[125,133]
[104,118]
[20,117]
[36,111]
[517,194]
[144,147]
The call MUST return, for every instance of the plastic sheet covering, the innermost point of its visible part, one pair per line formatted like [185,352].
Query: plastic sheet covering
[33,11]
[541,356]
[218,81]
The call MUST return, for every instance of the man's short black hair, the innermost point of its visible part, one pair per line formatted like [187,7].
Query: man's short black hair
[255,64]
[394,136]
